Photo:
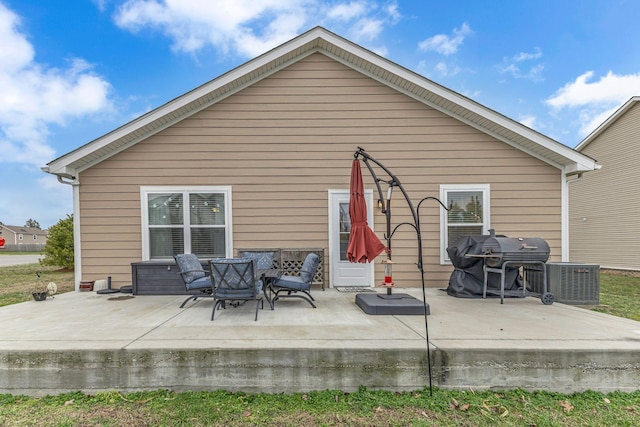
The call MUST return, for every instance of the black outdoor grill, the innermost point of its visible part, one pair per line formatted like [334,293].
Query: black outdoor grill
[500,253]
[517,251]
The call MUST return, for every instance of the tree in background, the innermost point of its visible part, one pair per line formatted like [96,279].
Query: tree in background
[32,223]
[58,250]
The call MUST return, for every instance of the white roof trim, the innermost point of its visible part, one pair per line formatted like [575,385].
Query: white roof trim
[353,56]
[605,125]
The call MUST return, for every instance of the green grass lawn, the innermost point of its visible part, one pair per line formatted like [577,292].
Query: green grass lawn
[17,282]
[619,296]
[324,408]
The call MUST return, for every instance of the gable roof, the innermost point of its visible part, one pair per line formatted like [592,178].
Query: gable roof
[356,57]
[607,123]
[23,230]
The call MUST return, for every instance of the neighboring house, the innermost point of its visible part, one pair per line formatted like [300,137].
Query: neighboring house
[260,157]
[14,235]
[605,205]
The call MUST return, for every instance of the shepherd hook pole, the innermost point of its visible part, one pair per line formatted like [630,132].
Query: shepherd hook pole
[386,209]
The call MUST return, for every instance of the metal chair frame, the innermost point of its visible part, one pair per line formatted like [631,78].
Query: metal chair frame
[234,281]
[204,292]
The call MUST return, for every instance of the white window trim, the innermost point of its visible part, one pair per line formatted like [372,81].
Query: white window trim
[145,190]
[486,205]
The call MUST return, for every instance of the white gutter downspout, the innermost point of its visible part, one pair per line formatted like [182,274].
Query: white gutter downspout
[565,214]
[77,251]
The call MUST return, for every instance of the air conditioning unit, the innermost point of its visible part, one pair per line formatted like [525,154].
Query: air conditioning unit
[570,283]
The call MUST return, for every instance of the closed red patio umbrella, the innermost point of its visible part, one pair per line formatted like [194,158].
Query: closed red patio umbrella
[364,245]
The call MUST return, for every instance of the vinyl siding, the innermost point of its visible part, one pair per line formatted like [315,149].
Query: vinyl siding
[285,141]
[604,204]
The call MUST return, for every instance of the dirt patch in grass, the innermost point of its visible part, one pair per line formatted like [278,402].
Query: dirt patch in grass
[627,273]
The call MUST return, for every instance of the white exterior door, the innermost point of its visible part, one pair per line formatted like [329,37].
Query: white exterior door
[343,272]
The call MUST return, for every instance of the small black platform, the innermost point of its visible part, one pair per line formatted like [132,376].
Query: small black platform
[401,304]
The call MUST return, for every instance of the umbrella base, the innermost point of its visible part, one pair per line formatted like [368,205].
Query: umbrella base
[383,304]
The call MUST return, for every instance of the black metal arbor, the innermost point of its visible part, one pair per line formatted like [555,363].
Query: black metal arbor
[385,205]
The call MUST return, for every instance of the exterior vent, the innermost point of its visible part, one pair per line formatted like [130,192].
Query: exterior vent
[570,283]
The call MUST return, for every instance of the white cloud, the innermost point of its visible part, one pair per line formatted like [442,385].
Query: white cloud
[595,100]
[446,70]
[444,44]
[528,56]
[519,68]
[590,119]
[251,27]
[347,11]
[368,29]
[100,4]
[34,97]
[528,120]
[609,89]
[38,196]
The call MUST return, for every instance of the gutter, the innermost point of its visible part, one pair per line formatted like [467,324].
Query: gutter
[565,220]
[62,178]
[73,181]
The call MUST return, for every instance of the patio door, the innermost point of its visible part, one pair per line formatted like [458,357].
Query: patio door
[343,272]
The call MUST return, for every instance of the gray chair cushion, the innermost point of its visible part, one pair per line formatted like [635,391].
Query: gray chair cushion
[199,284]
[292,282]
[240,295]
[263,260]
[309,267]
[190,266]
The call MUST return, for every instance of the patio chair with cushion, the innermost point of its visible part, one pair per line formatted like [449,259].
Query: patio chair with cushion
[195,277]
[234,282]
[298,286]
[266,259]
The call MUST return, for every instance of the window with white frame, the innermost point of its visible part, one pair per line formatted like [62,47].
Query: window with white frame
[35,237]
[179,220]
[468,213]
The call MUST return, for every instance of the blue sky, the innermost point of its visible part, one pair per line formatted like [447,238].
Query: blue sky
[72,71]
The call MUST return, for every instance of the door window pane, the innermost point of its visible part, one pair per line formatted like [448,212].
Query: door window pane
[345,229]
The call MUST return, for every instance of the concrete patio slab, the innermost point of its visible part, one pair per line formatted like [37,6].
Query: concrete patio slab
[89,342]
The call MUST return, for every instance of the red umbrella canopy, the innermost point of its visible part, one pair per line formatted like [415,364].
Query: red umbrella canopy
[364,245]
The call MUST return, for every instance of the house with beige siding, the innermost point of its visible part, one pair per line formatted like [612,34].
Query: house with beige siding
[16,235]
[604,218]
[260,157]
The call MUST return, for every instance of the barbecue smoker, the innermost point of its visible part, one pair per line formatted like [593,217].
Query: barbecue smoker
[517,251]
[499,253]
